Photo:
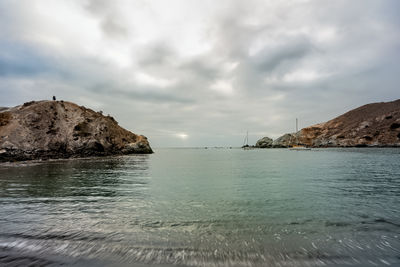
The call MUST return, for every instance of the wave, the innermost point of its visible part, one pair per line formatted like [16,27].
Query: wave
[79,253]
[55,236]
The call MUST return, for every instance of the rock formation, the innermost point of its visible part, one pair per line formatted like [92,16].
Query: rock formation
[58,129]
[264,142]
[284,141]
[376,124]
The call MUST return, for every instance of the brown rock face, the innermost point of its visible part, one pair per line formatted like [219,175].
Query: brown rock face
[376,124]
[284,141]
[58,129]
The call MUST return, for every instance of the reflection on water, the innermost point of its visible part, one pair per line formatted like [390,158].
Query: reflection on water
[84,177]
[195,207]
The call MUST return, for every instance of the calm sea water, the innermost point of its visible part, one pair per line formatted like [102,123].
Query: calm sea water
[205,207]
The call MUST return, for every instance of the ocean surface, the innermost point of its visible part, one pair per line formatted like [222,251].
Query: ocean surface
[204,207]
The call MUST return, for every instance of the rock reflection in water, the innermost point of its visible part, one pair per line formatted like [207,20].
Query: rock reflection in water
[76,177]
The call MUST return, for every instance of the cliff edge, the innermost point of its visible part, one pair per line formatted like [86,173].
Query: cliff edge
[376,124]
[60,129]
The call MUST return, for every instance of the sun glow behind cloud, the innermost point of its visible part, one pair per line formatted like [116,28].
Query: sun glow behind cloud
[182,136]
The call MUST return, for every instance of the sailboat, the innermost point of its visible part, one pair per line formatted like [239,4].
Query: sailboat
[298,146]
[246,141]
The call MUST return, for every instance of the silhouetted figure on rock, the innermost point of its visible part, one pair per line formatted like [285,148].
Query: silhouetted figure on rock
[54,97]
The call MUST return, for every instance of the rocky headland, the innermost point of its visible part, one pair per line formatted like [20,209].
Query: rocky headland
[372,125]
[60,129]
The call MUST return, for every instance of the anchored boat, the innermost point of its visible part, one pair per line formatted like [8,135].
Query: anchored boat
[298,146]
[246,141]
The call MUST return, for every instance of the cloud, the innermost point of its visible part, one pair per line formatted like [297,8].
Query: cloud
[19,60]
[108,15]
[287,51]
[209,70]
[156,54]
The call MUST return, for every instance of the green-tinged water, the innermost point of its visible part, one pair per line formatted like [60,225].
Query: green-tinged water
[205,207]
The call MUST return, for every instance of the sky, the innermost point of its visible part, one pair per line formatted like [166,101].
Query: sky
[202,73]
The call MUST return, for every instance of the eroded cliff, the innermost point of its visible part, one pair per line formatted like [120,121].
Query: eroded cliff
[58,129]
[376,124]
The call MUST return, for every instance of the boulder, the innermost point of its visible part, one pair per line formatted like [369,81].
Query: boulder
[264,142]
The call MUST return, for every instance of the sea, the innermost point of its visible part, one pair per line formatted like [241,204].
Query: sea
[204,207]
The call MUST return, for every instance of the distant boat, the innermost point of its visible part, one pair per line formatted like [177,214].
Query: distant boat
[246,141]
[298,146]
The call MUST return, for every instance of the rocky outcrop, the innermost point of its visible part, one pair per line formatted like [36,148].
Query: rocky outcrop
[284,141]
[264,142]
[376,124]
[58,129]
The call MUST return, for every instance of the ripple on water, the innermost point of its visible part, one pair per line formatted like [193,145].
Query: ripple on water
[204,208]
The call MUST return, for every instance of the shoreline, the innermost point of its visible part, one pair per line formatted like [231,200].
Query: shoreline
[30,162]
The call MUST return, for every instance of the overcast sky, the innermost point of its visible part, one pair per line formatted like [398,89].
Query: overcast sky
[202,73]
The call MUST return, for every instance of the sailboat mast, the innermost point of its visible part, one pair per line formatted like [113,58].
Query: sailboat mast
[297,125]
[246,139]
